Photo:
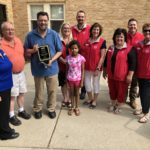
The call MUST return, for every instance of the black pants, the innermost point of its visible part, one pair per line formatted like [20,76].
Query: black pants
[83,90]
[133,89]
[144,91]
[4,112]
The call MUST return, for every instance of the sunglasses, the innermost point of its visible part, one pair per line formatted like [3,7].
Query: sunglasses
[146,30]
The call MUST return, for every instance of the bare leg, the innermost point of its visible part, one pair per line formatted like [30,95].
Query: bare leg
[12,104]
[20,100]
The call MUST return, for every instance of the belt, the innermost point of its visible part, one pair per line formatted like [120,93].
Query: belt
[16,72]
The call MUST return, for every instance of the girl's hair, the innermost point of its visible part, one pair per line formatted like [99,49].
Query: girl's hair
[119,31]
[94,26]
[61,30]
[146,25]
[74,42]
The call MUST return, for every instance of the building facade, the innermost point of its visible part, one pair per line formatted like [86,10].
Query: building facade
[111,14]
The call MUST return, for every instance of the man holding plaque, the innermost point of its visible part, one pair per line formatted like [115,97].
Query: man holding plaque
[43,47]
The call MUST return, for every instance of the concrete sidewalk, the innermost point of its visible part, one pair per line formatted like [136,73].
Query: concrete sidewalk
[92,130]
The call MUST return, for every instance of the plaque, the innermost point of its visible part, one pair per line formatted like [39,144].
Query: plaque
[44,53]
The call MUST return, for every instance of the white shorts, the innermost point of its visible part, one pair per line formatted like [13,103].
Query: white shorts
[19,84]
[92,82]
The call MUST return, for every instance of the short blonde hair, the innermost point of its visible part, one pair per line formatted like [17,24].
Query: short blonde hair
[61,30]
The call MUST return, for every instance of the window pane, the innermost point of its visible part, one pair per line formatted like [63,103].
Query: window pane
[34,10]
[33,24]
[57,12]
[55,25]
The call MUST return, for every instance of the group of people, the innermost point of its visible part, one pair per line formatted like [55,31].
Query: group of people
[78,56]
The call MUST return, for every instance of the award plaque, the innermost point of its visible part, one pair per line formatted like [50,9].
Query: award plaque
[44,53]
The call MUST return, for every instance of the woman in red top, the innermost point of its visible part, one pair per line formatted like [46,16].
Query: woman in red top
[119,65]
[143,73]
[66,37]
[94,53]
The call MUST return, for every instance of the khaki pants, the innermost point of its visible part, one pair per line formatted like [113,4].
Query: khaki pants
[51,84]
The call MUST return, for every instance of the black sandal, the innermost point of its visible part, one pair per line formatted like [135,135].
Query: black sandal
[64,104]
[92,106]
[87,102]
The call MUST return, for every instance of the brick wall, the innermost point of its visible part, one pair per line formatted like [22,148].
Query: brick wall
[111,14]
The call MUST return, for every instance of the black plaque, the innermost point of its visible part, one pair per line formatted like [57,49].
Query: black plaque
[44,53]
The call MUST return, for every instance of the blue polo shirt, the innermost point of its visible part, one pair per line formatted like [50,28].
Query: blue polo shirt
[5,72]
[51,39]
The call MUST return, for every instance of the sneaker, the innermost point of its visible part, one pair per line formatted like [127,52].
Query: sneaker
[38,114]
[52,115]
[7,136]
[24,115]
[14,121]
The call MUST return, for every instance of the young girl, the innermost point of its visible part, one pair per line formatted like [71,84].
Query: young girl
[75,75]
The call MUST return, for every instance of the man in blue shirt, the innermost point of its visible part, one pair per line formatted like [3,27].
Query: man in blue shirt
[44,71]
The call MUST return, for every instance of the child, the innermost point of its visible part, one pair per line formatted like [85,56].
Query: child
[75,75]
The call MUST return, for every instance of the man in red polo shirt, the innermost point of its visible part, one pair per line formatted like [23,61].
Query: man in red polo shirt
[80,32]
[13,48]
[133,38]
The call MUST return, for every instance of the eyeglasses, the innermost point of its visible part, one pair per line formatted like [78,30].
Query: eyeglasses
[146,30]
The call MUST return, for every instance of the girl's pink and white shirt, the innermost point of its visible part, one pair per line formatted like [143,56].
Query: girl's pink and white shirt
[74,71]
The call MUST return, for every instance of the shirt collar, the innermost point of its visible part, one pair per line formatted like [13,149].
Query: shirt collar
[124,46]
[76,27]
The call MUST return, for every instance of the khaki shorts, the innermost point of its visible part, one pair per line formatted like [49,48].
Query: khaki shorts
[19,84]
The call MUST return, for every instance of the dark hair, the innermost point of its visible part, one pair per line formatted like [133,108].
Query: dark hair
[132,19]
[74,42]
[96,25]
[42,13]
[145,26]
[118,31]
[81,11]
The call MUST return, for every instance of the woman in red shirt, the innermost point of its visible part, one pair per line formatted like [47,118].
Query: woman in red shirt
[94,53]
[119,66]
[66,37]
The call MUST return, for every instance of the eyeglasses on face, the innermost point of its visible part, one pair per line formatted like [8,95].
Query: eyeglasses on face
[146,30]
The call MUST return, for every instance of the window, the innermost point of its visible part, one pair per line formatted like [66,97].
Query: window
[57,16]
[34,10]
[55,11]
[3,16]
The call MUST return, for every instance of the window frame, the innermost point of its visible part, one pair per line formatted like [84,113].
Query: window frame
[46,8]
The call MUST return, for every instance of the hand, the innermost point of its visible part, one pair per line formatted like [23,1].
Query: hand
[81,84]
[129,79]
[0,99]
[35,48]
[104,75]
[49,63]
[96,73]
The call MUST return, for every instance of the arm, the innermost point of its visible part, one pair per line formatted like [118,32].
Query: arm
[55,57]
[62,60]
[131,64]
[29,52]
[82,74]
[103,54]
[0,99]
[104,67]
